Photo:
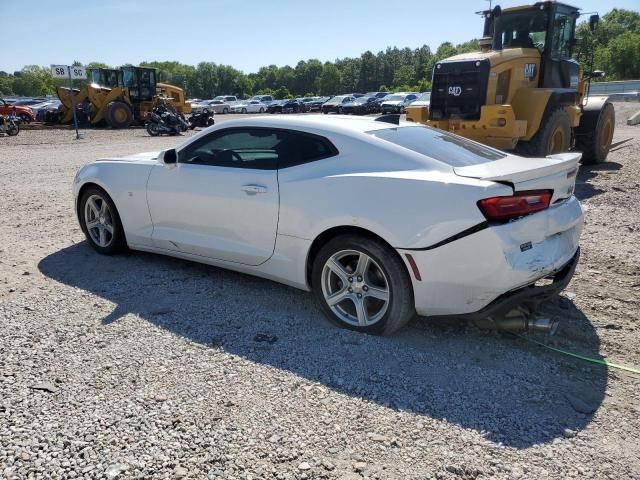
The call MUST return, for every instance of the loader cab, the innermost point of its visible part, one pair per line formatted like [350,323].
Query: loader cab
[141,83]
[548,27]
[106,77]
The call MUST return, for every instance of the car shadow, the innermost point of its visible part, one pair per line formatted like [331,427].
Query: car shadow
[584,189]
[509,391]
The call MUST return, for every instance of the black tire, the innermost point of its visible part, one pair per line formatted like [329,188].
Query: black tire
[340,110]
[553,136]
[13,129]
[244,110]
[116,240]
[25,118]
[210,121]
[261,110]
[118,114]
[400,306]
[152,131]
[225,111]
[595,147]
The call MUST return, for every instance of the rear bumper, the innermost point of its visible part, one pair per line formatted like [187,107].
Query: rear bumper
[530,295]
[495,263]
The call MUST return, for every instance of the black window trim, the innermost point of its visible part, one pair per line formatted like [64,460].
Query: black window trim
[333,151]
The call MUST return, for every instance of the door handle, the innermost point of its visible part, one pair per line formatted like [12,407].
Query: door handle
[253,189]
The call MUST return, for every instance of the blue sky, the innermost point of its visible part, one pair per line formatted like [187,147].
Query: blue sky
[246,34]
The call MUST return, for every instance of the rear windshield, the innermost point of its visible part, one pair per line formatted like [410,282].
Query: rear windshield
[439,145]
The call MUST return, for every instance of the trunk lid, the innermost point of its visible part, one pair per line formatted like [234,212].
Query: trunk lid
[555,172]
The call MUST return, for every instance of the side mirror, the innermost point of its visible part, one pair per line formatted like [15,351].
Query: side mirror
[169,156]
[593,21]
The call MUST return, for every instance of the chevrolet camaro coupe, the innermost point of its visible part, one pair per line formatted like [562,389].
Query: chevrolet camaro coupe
[380,219]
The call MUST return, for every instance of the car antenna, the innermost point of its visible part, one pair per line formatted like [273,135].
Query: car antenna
[390,118]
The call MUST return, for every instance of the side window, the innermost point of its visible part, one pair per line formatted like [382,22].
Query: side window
[240,148]
[563,26]
[299,148]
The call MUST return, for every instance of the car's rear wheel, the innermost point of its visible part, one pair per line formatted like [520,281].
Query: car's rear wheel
[261,110]
[362,284]
[225,111]
[100,221]
[244,110]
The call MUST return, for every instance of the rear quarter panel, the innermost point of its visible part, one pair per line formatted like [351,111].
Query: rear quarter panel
[380,190]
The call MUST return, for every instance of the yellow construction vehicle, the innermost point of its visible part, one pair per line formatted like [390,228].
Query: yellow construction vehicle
[120,97]
[523,91]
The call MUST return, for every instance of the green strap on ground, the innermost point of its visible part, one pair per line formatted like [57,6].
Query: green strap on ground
[598,361]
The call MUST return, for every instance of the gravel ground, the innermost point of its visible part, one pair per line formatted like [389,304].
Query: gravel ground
[141,366]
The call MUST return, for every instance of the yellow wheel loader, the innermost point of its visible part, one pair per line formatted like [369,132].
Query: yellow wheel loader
[523,91]
[120,97]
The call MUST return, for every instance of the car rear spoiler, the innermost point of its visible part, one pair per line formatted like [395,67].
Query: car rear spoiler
[393,118]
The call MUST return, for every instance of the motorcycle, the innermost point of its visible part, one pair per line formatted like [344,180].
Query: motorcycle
[162,120]
[9,125]
[203,119]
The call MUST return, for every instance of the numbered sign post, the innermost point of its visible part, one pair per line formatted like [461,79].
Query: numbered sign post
[72,73]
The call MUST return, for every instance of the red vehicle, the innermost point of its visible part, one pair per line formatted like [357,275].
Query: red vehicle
[25,113]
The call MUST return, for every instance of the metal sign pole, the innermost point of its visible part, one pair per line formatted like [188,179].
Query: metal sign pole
[73,103]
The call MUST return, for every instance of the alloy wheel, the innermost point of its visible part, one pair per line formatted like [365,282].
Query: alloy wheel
[355,288]
[98,218]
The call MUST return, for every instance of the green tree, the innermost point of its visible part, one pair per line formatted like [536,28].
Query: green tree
[282,92]
[405,75]
[624,56]
[330,80]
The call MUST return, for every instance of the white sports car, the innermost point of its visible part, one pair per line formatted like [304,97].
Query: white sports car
[250,106]
[380,220]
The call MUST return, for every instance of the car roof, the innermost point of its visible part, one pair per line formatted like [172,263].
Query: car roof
[338,124]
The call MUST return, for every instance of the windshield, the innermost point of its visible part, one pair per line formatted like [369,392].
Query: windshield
[521,29]
[361,100]
[392,98]
[439,145]
[424,97]
[336,99]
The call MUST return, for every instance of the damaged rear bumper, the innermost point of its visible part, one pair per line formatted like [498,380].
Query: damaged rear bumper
[530,295]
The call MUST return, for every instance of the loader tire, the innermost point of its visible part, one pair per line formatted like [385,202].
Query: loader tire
[553,136]
[118,114]
[595,147]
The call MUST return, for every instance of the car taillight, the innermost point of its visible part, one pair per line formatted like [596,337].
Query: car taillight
[514,206]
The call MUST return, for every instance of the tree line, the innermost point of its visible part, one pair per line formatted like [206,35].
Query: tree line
[614,48]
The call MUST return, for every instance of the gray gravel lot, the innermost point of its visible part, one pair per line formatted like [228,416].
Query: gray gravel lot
[142,366]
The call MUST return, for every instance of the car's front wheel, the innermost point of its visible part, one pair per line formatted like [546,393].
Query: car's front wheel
[362,284]
[100,221]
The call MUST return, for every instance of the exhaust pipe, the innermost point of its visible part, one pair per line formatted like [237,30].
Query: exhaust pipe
[521,319]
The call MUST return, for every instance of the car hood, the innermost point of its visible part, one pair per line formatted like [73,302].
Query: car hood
[144,157]
[392,102]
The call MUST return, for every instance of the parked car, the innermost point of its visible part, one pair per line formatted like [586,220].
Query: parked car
[376,94]
[251,106]
[41,110]
[422,100]
[396,103]
[215,106]
[361,106]
[336,104]
[266,99]
[25,114]
[28,102]
[316,105]
[228,99]
[277,210]
[275,106]
[290,105]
